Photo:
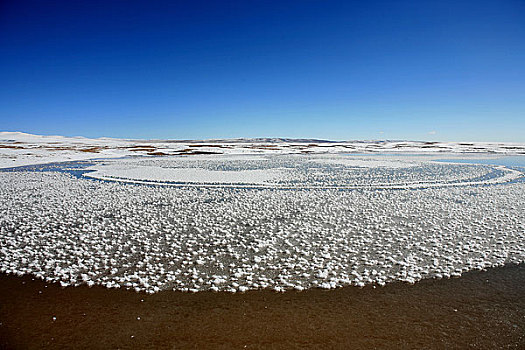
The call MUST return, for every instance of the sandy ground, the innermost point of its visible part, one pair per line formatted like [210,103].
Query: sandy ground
[482,310]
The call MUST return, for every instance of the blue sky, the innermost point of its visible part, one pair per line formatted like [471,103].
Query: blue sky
[420,70]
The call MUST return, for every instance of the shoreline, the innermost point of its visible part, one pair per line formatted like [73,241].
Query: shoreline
[480,309]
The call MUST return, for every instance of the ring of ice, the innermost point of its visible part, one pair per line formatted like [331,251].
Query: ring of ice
[234,223]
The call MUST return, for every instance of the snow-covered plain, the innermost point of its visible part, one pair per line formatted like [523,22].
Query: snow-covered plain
[235,221]
[17,149]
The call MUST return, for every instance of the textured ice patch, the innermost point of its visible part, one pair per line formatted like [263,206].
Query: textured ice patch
[148,238]
[375,162]
[301,172]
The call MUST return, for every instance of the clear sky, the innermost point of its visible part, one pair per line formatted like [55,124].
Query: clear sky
[419,70]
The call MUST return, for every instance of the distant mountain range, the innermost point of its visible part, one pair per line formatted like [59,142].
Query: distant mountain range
[251,140]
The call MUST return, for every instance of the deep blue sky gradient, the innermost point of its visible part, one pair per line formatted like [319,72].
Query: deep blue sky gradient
[422,70]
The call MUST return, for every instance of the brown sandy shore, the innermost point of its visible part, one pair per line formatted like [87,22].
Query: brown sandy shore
[482,310]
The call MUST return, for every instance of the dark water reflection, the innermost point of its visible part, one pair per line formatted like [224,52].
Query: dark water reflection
[75,168]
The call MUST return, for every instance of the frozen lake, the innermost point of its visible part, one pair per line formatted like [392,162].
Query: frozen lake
[239,222]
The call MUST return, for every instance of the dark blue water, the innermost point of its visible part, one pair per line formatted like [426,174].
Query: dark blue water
[75,168]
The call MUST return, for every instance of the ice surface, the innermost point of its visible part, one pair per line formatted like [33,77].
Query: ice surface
[315,221]
[300,172]
[183,175]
